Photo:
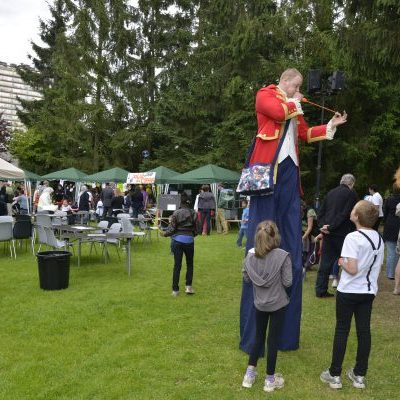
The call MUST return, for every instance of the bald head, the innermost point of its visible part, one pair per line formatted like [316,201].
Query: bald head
[289,74]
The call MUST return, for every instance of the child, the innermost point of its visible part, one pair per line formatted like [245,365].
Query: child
[269,268]
[361,260]
[65,206]
[99,210]
[182,228]
[243,223]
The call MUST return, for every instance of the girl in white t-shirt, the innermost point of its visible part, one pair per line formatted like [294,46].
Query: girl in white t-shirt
[361,261]
[65,206]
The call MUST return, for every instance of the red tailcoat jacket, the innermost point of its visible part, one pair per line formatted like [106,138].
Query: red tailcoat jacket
[273,109]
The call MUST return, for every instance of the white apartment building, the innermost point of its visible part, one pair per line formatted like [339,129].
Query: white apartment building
[11,87]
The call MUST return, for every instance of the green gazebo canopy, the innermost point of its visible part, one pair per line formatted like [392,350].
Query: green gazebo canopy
[208,174]
[110,175]
[69,174]
[31,176]
[164,174]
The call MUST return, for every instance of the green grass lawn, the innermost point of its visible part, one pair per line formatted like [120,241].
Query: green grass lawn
[110,336]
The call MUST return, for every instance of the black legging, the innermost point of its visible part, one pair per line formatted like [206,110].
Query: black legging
[179,249]
[360,305]
[276,319]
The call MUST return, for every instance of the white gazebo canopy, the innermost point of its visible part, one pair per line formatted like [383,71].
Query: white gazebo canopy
[11,172]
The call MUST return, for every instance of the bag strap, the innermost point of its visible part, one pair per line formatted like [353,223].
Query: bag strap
[375,251]
[281,139]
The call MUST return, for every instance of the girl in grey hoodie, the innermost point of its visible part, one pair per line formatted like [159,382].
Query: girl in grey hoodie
[269,268]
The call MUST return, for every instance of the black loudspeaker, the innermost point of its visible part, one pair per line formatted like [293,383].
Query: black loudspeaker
[314,81]
[337,80]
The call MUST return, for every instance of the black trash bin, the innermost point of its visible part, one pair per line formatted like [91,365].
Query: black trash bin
[53,269]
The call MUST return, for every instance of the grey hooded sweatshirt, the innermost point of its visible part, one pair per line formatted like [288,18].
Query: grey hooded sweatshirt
[270,276]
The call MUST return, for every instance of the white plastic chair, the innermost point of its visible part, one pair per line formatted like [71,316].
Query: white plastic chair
[53,242]
[98,236]
[6,233]
[102,227]
[41,236]
[144,227]
[60,219]
[123,215]
[116,227]
[43,220]
[127,227]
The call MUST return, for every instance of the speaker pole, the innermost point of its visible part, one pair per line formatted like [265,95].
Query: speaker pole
[319,161]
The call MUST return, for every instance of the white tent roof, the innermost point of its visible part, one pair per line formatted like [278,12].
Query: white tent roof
[9,171]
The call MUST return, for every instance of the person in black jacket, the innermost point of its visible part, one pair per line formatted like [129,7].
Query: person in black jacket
[206,207]
[117,203]
[391,229]
[334,220]
[3,208]
[182,228]
[136,202]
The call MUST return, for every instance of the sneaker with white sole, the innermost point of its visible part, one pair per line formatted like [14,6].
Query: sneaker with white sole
[189,290]
[334,381]
[358,381]
[277,383]
[175,293]
[249,377]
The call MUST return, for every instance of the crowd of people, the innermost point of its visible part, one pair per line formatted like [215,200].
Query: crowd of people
[13,199]
[324,232]
[101,201]
[351,241]
[348,233]
[343,234]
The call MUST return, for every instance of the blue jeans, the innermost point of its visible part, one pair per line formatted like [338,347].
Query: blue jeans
[242,232]
[391,259]
[335,269]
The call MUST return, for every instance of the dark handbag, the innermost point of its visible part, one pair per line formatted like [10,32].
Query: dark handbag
[258,179]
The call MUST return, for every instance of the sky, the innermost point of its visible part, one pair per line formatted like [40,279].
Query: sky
[19,24]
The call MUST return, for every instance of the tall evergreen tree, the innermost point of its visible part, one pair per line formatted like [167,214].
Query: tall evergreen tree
[207,112]
[163,34]
[370,51]
[42,76]
[101,31]
[53,123]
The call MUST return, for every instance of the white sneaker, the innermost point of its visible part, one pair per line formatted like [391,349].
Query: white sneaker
[335,283]
[334,381]
[278,383]
[175,293]
[249,378]
[189,290]
[358,381]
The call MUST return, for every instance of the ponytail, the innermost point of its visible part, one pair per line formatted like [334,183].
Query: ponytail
[267,238]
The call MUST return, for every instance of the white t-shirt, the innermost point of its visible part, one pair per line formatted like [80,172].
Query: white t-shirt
[377,200]
[357,246]
[99,208]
